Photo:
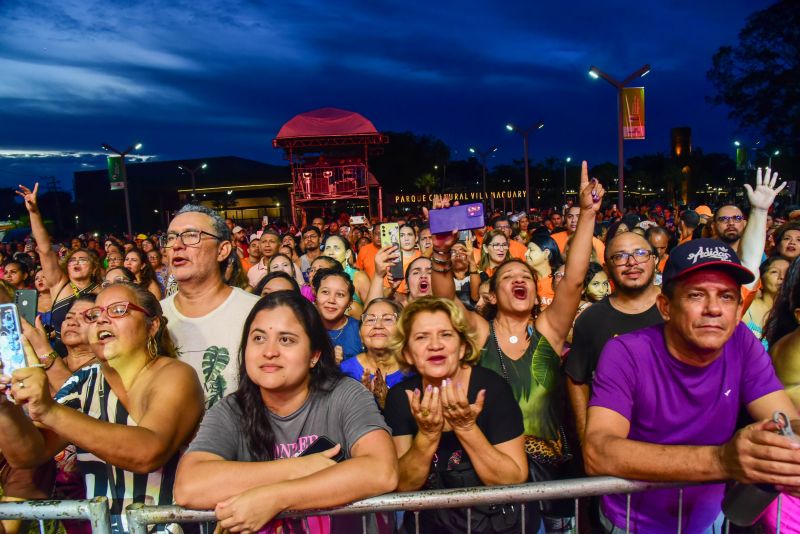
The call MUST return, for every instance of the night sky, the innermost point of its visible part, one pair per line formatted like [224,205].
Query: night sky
[194,79]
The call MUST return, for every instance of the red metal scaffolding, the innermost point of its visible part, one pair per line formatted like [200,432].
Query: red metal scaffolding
[328,151]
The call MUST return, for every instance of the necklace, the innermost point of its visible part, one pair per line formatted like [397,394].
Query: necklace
[340,330]
[513,339]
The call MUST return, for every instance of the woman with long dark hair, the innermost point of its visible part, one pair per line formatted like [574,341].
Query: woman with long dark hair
[782,332]
[136,262]
[247,460]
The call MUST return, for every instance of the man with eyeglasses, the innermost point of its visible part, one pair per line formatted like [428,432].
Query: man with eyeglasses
[631,266]
[729,225]
[310,243]
[515,248]
[205,315]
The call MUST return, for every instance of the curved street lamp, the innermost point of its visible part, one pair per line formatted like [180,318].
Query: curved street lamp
[123,172]
[525,133]
[595,73]
[483,155]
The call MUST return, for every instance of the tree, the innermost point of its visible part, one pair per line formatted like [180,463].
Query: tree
[759,79]
[407,158]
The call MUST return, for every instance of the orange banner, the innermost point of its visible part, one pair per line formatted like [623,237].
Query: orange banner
[633,112]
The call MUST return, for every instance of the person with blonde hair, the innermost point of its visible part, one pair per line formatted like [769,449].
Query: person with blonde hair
[455,424]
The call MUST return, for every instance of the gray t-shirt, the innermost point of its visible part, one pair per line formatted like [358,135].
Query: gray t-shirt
[344,415]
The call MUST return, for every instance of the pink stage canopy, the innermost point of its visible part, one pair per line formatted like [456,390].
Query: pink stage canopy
[326,122]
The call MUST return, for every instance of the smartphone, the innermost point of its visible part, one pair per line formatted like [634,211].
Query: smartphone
[465,236]
[390,236]
[12,354]
[323,443]
[27,301]
[357,219]
[265,220]
[466,217]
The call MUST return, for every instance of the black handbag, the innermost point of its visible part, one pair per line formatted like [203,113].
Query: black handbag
[499,518]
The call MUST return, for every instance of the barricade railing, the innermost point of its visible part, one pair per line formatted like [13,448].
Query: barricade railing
[140,516]
[94,510]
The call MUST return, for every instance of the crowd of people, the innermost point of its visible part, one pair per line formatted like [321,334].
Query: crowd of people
[258,370]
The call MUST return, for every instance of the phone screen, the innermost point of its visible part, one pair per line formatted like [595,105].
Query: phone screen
[11,352]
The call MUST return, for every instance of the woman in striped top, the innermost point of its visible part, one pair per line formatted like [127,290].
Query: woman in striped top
[128,415]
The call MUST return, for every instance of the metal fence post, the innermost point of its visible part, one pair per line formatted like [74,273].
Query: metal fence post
[94,510]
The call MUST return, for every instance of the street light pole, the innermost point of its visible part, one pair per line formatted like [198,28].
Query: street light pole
[192,172]
[484,154]
[525,133]
[122,155]
[594,72]
[565,161]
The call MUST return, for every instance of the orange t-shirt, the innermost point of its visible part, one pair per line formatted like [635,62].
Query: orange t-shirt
[599,248]
[366,259]
[545,291]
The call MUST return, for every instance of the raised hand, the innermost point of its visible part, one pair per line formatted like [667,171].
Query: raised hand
[427,411]
[30,197]
[385,258]
[591,192]
[458,412]
[765,192]
[338,354]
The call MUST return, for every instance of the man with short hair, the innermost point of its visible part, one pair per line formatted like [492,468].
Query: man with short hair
[240,240]
[729,225]
[659,237]
[319,222]
[425,241]
[631,266]
[269,243]
[561,238]
[688,223]
[202,313]
[310,236]
[666,398]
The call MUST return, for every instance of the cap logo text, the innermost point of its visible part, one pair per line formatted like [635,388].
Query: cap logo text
[719,253]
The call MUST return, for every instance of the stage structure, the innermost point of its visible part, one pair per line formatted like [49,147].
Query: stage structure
[328,151]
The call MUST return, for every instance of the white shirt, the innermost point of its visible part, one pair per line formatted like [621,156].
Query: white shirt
[211,343]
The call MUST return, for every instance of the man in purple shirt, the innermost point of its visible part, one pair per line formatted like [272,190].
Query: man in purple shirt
[665,400]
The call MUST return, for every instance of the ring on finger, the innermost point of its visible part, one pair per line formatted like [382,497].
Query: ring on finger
[425,413]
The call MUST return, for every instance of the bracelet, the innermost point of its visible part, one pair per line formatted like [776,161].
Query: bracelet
[473,272]
[48,359]
[440,261]
[443,270]
[446,252]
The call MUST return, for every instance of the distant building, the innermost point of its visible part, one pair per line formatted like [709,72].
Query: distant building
[681,142]
[242,189]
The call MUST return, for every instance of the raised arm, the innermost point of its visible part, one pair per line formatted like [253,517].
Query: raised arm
[554,323]
[47,256]
[751,249]
[172,411]
[383,260]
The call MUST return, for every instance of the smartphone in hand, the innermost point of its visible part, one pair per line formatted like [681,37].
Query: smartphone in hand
[12,354]
[323,443]
[27,301]
[390,236]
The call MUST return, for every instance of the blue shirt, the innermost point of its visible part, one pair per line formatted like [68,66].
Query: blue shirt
[353,368]
[348,338]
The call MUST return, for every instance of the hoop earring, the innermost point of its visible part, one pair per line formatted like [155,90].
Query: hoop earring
[152,347]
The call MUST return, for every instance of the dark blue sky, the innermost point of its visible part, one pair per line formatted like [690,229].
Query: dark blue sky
[195,78]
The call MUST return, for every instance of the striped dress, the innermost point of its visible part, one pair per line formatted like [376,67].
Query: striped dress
[87,391]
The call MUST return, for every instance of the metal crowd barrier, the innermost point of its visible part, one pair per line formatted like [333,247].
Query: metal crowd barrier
[140,516]
[94,510]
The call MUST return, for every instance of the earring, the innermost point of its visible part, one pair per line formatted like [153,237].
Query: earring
[152,347]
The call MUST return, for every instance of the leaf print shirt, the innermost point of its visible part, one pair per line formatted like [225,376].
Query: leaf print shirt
[210,343]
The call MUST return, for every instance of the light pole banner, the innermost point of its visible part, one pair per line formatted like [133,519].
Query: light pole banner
[633,112]
[116,172]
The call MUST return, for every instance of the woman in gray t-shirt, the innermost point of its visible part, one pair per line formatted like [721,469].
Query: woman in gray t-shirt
[245,461]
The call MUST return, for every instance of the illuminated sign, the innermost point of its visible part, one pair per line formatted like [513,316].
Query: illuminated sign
[474,196]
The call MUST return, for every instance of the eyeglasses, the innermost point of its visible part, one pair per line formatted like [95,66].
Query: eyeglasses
[188,238]
[498,245]
[640,255]
[114,310]
[74,261]
[387,319]
[725,219]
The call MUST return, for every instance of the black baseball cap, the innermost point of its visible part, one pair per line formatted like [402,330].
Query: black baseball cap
[705,254]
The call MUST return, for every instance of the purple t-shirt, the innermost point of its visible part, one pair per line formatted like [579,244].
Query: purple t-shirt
[673,403]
